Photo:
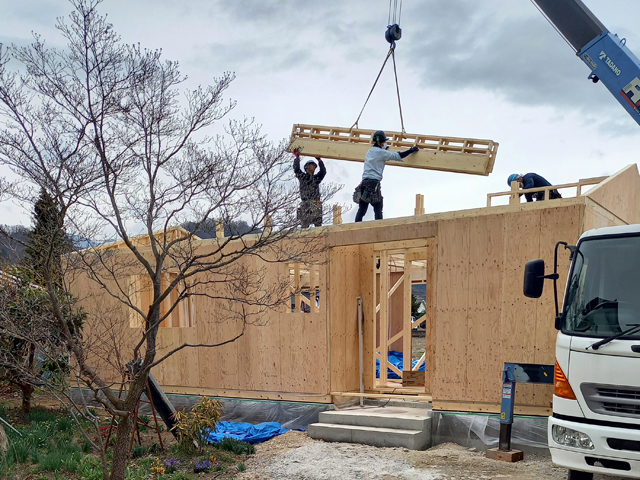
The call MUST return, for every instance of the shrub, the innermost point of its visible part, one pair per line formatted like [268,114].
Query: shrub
[236,446]
[241,467]
[190,426]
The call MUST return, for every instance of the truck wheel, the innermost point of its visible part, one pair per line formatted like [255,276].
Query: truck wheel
[578,475]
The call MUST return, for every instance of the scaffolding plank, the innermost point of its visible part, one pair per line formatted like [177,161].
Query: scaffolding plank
[449,154]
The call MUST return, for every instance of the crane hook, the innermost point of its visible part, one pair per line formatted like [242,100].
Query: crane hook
[393,33]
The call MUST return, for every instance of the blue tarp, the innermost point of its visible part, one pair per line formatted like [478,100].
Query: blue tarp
[395,358]
[246,432]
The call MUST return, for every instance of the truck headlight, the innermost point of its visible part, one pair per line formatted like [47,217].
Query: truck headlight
[571,438]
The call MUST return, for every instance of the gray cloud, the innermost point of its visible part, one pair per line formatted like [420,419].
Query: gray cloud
[519,57]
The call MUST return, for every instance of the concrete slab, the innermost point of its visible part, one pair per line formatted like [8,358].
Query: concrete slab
[393,417]
[375,436]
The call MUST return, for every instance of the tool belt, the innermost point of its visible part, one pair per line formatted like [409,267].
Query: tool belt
[368,191]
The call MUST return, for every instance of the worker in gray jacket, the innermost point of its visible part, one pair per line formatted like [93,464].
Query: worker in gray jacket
[369,192]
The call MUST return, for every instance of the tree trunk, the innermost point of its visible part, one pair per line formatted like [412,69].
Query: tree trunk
[4,442]
[27,393]
[121,448]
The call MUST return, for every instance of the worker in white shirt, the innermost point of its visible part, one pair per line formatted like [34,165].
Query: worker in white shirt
[369,192]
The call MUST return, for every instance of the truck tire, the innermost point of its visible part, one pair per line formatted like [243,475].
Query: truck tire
[578,475]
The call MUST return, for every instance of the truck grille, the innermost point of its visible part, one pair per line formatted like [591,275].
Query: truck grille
[612,399]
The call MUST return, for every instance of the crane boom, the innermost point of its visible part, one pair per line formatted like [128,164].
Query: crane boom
[603,52]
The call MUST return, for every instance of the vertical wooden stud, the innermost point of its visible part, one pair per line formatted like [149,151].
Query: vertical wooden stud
[337,215]
[514,197]
[407,352]
[296,286]
[419,210]
[219,230]
[384,316]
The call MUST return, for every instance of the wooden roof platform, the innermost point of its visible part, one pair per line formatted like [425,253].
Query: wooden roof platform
[449,154]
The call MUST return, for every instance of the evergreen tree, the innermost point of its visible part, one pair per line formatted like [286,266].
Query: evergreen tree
[48,241]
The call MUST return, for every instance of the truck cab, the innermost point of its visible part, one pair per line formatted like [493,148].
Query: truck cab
[595,427]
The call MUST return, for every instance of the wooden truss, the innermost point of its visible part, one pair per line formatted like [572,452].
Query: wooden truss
[449,154]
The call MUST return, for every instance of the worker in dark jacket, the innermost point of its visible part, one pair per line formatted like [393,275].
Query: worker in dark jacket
[533,180]
[310,210]
[369,192]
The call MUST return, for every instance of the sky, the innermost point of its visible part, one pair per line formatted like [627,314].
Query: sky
[486,69]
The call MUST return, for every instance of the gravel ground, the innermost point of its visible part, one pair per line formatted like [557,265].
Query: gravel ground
[296,456]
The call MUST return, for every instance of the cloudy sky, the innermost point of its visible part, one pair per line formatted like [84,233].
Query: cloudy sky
[492,69]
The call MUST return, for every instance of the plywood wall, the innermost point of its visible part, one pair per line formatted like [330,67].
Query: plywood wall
[620,194]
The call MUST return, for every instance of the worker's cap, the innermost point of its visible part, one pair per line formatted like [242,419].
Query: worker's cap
[512,178]
[310,162]
[379,137]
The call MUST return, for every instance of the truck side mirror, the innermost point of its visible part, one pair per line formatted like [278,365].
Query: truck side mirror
[533,278]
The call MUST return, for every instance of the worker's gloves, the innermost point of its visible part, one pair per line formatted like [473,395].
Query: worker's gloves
[413,149]
[296,152]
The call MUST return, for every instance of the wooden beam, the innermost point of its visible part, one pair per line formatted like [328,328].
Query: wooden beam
[449,154]
[403,396]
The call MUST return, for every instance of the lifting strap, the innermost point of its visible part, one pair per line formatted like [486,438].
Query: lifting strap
[395,72]
[393,33]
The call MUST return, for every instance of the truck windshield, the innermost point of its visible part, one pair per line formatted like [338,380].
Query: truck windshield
[603,293]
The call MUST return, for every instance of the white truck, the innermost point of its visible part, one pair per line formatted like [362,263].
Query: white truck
[595,427]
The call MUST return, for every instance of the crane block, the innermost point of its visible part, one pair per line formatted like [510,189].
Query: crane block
[448,154]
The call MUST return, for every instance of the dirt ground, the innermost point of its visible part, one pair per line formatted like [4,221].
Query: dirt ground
[296,456]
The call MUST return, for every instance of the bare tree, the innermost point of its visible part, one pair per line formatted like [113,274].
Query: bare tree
[103,129]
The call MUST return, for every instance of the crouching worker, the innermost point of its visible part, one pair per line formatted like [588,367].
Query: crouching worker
[310,210]
[369,192]
[533,180]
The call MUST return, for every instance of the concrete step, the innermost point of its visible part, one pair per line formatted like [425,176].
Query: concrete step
[393,417]
[375,436]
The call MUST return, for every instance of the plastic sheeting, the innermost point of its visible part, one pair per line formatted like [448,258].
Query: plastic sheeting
[483,431]
[292,415]
[396,359]
[246,432]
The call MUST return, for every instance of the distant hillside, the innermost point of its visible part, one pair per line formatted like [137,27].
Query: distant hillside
[12,247]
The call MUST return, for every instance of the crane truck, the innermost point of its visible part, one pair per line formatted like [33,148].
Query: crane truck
[595,426]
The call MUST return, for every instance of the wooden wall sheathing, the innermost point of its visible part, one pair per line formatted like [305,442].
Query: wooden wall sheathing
[452,309]
[620,194]
[344,272]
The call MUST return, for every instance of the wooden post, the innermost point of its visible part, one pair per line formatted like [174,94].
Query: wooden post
[337,215]
[296,286]
[514,197]
[419,210]
[407,344]
[219,230]
[384,317]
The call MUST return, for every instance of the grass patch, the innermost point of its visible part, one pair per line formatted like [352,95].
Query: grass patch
[40,415]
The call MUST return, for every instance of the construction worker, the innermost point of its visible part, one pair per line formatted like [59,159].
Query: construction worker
[369,192]
[310,210]
[533,180]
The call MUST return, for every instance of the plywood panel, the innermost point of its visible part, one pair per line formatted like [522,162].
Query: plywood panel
[344,271]
[485,301]
[558,224]
[620,194]
[367,291]
[452,300]
[518,318]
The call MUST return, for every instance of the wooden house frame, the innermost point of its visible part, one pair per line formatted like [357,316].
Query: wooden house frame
[476,315]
